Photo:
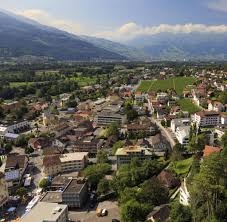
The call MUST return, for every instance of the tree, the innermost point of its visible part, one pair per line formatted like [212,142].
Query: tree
[102,156]
[133,211]
[208,188]
[224,140]
[44,183]
[116,146]
[131,115]
[112,130]
[180,213]
[103,186]
[96,172]
[21,192]
[21,141]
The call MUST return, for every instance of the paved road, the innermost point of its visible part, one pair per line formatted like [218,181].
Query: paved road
[165,132]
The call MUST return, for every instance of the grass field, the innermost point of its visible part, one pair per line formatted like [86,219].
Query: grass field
[176,83]
[188,105]
[85,81]
[183,166]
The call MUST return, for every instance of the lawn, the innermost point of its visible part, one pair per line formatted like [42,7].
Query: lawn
[176,83]
[188,105]
[183,166]
[16,84]
[85,81]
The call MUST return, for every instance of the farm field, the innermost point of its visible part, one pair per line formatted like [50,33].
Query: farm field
[176,83]
[188,105]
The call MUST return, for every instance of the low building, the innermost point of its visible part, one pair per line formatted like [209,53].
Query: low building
[75,193]
[162,97]
[55,164]
[215,106]
[207,118]
[39,143]
[47,212]
[159,145]
[51,165]
[126,154]
[106,118]
[15,128]
[73,161]
[70,191]
[210,149]
[179,122]
[87,144]
[183,134]
[14,169]
[168,179]
[159,214]
[4,195]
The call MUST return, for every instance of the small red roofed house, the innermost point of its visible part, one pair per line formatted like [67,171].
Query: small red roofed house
[210,149]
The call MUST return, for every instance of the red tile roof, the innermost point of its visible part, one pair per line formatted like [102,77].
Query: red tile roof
[210,149]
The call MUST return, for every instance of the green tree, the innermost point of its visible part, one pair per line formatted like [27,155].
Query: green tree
[96,172]
[44,183]
[103,186]
[102,156]
[180,213]
[21,192]
[116,146]
[29,150]
[112,130]
[133,211]
[21,141]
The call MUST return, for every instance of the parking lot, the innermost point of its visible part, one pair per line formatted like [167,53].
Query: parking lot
[85,216]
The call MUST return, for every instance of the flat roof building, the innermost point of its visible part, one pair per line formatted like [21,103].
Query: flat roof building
[44,211]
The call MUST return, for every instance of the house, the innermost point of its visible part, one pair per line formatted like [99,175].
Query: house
[168,179]
[210,149]
[161,114]
[159,145]
[49,119]
[183,134]
[159,214]
[15,127]
[126,154]
[220,131]
[61,130]
[87,144]
[162,97]
[44,211]
[215,106]
[68,162]
[11,106]
[15,168]
[51,165]
[223,118]
[4,195]
[39,143]
[207,118]
[54,150]
[179,122]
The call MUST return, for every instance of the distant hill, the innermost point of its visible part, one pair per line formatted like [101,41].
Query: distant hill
[20,36]
[129,52]
[192,46]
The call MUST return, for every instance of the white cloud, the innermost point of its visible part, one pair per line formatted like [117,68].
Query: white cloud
[132,30]
[45,18]
[220,5]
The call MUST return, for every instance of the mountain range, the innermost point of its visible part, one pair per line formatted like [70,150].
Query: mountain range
[20,36]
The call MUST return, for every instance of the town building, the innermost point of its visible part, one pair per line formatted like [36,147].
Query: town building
[87,144]
[159,214]
[183,134]
[70,191]
[159,145]
[210,149]
[179,122]
[73,161]
[126,154]
[106,118]
[47,212]
[55,164]
[14,169]
[207,118]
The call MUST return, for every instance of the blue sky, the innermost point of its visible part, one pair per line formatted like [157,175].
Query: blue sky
[118,19]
